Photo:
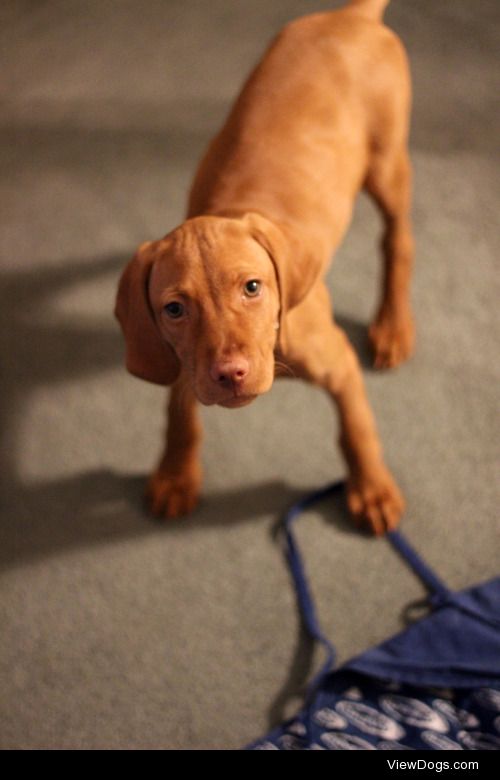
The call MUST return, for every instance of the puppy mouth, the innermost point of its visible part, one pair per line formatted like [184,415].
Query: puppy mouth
[236,401]
[229,401]
[232,397]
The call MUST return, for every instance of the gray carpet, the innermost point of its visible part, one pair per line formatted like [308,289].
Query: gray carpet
[121,632]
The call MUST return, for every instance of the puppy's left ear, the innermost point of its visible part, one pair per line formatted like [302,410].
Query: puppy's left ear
[297,269]
[148,356]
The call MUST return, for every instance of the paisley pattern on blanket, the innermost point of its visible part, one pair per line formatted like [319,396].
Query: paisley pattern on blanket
[412,719]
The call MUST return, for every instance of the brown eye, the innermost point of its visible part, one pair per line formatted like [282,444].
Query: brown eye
[174,310]
[252,288]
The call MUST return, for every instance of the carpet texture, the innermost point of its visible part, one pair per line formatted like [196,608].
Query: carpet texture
[121,632]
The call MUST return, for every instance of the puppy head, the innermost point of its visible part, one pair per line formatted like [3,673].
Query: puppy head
[210,297]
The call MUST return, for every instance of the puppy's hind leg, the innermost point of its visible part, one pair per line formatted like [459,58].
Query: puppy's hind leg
[392,333]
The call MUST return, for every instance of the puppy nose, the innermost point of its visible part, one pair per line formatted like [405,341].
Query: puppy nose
[230,372]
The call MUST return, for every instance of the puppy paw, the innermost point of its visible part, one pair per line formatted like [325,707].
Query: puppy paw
[171,495]
[392,339]
[375,501]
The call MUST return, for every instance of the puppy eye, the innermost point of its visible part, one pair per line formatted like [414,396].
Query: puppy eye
[252,288]
[174,310]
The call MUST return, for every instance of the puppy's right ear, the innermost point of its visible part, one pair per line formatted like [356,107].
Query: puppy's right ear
[148,356]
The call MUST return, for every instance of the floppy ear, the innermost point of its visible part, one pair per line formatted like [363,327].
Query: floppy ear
[148,356]
[296,268]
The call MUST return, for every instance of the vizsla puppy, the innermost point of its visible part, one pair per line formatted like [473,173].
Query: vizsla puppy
[236,294]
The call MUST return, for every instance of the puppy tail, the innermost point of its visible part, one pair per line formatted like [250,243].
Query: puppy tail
[372,9]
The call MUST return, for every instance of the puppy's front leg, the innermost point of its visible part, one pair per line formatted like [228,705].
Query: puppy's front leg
[321,353]
[372,493]
[174,487]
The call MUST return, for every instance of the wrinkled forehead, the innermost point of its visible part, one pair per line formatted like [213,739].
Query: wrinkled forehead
[212,252]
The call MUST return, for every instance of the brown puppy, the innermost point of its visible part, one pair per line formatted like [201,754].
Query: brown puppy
[237,290]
